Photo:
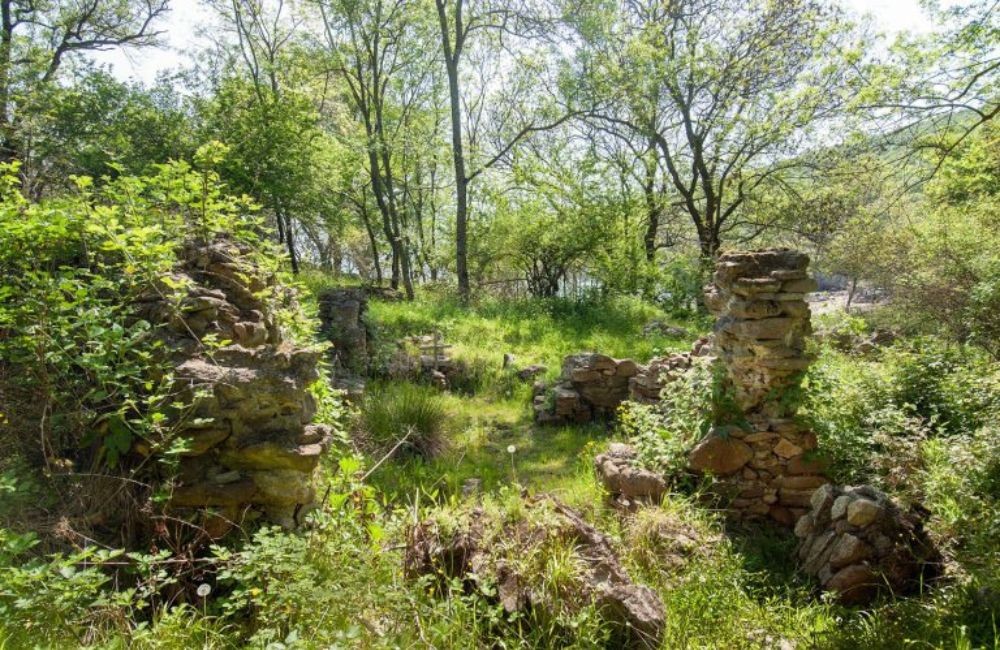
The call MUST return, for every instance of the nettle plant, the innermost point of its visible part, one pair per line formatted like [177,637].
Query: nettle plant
[689,406]
[77,359]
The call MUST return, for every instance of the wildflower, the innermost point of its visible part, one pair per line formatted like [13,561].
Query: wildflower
[204,589]
[511,449]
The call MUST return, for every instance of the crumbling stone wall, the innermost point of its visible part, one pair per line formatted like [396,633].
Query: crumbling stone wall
[762,319]
[645,387]
[591,387]
[342,313]
[250,447]
[858,543]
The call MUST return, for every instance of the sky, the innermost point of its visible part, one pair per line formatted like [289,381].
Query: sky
[187,16]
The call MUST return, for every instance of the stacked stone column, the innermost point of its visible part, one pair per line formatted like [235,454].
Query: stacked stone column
[760,456]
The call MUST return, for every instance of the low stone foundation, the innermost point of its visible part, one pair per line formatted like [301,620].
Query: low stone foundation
[858,543]
[591,387]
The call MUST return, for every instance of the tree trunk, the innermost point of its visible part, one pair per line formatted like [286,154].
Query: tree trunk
[452,52]
[652,213]
[7,152]
[290,242]
[374,244]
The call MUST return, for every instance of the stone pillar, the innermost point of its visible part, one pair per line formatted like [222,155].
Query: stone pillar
[759,452]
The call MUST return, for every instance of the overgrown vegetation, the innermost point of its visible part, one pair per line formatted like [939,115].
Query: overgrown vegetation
[532,179]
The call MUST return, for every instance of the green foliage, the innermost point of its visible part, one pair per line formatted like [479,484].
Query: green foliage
[879,412]
[96,126]
[681,284]
[74,267]
[689,406]
[535,330]
[52,599]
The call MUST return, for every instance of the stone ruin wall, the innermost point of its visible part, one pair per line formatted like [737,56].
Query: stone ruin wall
[251,449]
[592,386]
[761,460]
[342,314]
[858,544]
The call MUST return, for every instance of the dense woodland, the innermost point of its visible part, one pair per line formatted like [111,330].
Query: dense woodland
[537,178]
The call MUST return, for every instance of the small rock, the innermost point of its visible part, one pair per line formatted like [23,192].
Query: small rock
[787,449]
[822,498]
[804,526]
[839,508]
[471,487]
[848,550]
[530,372]
[853,584]
[862,512]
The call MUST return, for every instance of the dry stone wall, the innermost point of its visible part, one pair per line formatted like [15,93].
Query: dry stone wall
[762,319]
[250,448]
[858,543]
[342,312]
[591,387]
[646,386]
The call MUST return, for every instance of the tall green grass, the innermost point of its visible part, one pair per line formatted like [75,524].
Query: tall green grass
[411,415]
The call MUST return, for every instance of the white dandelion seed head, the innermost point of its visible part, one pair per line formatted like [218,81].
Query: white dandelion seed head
[204,589]
[511,449]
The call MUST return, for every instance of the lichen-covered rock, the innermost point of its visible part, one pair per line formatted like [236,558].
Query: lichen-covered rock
[858,543]
[626,482]
[247,439]
[505,560]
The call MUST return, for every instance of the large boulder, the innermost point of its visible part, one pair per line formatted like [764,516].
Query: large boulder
[720,454]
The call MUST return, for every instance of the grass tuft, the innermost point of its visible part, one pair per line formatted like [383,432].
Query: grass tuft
[391,413]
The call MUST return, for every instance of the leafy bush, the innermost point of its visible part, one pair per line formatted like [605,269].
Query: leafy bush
[391,413]
[75,357]
[872,417]
[689,406]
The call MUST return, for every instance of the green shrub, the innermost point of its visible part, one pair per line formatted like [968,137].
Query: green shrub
[75,356]
[872,416]
[689,406]
[392,412]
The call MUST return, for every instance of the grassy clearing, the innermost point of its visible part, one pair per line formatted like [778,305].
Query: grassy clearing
[535,331]
[484,425]
[741,590]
